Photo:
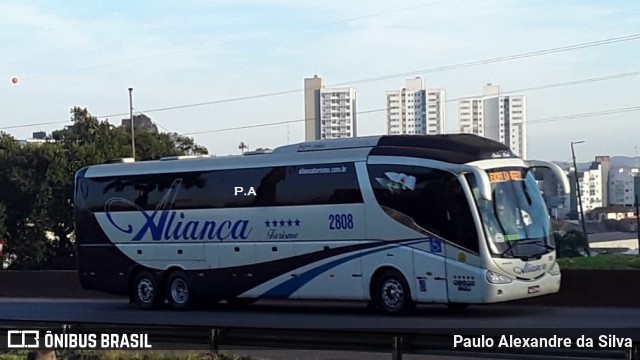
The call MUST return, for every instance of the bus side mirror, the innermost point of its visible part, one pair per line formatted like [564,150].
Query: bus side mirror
[484,185]
[557,171]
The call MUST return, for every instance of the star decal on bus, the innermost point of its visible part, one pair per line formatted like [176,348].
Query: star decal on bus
[282,223]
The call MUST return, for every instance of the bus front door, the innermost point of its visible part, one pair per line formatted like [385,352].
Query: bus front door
[430,282]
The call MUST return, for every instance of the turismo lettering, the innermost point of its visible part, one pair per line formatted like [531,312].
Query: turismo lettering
[281,235]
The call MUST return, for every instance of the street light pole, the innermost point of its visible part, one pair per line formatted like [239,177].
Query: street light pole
[133,139]
[243,147]
[637,205]
[579,195]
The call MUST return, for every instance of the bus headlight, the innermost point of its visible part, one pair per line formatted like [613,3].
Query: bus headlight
[555,269]
[495,278]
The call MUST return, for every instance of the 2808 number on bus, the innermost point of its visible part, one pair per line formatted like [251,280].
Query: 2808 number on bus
[340,221]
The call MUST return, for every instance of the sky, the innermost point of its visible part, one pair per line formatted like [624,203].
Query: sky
[215,69]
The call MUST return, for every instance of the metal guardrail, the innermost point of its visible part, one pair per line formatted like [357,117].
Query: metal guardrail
[396,344]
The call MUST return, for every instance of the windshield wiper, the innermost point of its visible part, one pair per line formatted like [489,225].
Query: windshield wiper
[507,252]
[541,244]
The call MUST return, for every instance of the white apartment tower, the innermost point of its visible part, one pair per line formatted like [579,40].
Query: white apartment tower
[497,117]
[414,110]
[591,185]
[622,185]
[329,112]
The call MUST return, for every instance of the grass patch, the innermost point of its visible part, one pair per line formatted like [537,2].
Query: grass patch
[125,355]
[601,262]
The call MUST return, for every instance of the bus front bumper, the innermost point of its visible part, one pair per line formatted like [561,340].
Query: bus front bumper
[518,289]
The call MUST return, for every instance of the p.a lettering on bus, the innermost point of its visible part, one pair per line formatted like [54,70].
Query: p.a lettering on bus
[340,219]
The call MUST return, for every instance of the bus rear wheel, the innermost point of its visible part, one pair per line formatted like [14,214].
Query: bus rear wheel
[393,294]
[179,290]
[145,290]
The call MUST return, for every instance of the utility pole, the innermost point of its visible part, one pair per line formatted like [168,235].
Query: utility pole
[637,204]
[579,195]
[133,139]
[243,147]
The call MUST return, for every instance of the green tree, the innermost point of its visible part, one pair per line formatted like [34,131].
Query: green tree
[570,244]
[187,145]
[36,204]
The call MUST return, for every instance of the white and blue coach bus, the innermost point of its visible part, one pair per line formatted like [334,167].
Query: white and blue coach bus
[396,220]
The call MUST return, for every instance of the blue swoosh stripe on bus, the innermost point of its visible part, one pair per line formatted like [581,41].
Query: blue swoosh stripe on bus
[290,286]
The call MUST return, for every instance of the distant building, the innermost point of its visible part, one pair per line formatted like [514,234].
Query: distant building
[594,186]
[329,112]
[415,110]
[624,184]
[591,187]
[498,117]
[38,137]
[32,141]
[141,122]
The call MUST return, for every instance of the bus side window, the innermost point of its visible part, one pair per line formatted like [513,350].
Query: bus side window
[436,203]
[461,228]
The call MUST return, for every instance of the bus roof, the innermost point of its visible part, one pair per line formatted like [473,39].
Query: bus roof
[453,148]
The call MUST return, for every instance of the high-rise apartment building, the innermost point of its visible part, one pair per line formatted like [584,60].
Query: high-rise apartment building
[497,117]
[591,185]
[329,112]
[623,186]
[414,110]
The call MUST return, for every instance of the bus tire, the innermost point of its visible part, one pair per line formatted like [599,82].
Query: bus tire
[146,291]
[393,295]
[179,290]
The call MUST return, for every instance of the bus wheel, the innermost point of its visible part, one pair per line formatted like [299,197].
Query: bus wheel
[145,292]
[179,290]
[393,294]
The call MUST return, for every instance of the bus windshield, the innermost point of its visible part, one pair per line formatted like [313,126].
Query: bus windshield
[516,222]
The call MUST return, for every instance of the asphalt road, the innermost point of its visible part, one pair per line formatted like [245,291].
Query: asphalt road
[326,315]
[490,320]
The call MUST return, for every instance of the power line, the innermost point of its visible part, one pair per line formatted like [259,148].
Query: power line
[576,82]
[540,87]
[584,115]
[450,67]
[503,58]
[541,120]
[566,83]
[548,86]
[32,125]
[209,102]
[411,73]
[257,37]
[270,124]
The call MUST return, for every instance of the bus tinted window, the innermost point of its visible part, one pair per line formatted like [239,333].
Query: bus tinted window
[319,184]
[427,200]
[268,186]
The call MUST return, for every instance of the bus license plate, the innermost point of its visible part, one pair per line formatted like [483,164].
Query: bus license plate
[533,289]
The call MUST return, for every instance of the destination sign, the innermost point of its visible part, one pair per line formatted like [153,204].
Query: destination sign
[500,176]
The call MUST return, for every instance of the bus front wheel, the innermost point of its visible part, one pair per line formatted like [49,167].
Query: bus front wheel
[179,290]
[393,294]
[145,290]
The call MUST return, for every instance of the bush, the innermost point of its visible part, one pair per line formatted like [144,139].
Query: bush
[570,244]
